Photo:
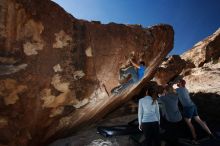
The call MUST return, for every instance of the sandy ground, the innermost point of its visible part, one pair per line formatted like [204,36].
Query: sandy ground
[90,137]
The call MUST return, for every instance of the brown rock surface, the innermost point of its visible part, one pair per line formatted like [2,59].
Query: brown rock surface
[204,79]
[57,71]
[169,69]
[204,51]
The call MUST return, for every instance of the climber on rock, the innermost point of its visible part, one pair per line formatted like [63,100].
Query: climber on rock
[127,76]
[130,73]
[140,68]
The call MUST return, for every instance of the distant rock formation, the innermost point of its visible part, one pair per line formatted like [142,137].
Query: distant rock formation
[200,67]
[204,51]
[57,71]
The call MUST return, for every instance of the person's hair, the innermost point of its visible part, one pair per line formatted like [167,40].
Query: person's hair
[142,63]
[182,82]
[170,89]
[151,92]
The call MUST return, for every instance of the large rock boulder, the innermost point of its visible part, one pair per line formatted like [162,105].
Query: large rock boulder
[56,72]
[169,69]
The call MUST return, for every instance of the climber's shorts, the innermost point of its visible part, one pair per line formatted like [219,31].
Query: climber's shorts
[190,111]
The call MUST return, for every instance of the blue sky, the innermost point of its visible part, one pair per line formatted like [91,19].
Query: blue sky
[192,20]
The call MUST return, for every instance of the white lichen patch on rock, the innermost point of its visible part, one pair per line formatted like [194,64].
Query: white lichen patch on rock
[3,122]
[61,39]
[65,121]
[64,98]
[97,95]
[81,103]
[31,29]
[78,74]
[47,98]
[32,48]
[60,86]
[89,52]
[9,90]
[56,111]
[57,68]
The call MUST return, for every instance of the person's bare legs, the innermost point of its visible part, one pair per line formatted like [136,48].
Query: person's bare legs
[191,127]
[203,124]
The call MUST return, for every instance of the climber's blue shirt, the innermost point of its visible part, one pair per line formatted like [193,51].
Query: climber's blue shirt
[141,71]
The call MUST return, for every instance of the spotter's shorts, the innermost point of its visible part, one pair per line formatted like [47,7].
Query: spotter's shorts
[190,111]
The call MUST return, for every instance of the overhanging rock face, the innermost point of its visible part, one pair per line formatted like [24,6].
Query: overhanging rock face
[57,72]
